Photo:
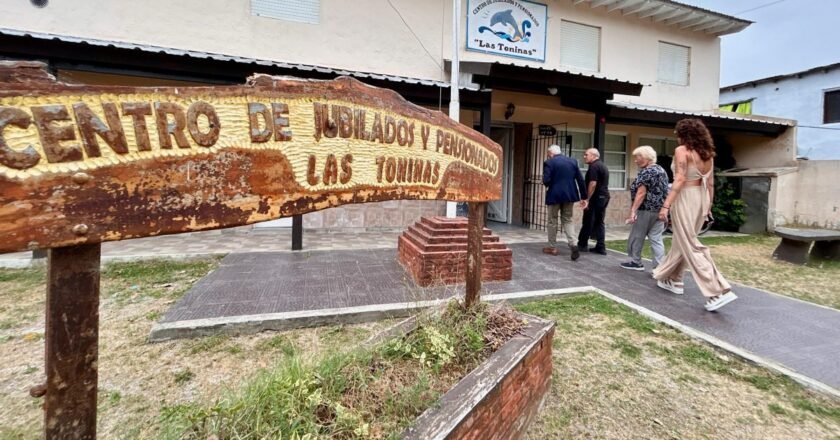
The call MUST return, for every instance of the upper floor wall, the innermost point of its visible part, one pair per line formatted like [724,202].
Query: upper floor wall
[396,37]
[806,98]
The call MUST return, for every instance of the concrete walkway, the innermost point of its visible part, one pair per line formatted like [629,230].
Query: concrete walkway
[803,337]
[247,239]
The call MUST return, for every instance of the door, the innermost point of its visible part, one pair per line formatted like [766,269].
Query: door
[499,210]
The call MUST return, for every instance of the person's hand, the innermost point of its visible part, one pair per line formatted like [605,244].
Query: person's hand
[631,219]
[584,204]
[663,214]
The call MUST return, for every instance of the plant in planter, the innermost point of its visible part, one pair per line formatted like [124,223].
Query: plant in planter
[369,392]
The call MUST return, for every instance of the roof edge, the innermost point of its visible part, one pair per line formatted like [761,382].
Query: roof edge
[224,57]
[825,68]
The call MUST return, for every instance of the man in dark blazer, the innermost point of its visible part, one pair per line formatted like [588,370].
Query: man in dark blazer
[564,186]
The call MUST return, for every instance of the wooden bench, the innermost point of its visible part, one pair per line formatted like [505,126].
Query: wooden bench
[797,242]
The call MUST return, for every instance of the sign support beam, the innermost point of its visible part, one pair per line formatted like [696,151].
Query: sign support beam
[475,233]
[71,340]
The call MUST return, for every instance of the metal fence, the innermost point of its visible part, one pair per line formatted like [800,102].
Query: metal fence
[534,210]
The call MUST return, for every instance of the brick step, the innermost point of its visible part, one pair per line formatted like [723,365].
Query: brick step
[449,232]
[442,248]
[434,251]
[439,222]
[443,239]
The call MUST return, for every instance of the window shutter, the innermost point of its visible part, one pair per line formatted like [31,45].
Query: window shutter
[673,64]
[580,46]
[304,11]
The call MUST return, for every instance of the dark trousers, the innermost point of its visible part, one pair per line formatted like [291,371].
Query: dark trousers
[593,223]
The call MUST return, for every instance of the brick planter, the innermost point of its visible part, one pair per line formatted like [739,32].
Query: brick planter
[500,398]
[434,251]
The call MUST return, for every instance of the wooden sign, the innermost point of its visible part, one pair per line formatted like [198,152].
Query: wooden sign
[81,164]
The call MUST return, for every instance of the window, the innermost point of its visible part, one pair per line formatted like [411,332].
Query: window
[832,107]
[304,11]
[674,62]
[615,155]
[580,46]
[581,141]
[663,146]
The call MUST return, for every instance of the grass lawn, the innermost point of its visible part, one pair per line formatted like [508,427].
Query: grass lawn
[138,381]
[271,385]
[618,375]
[749,260]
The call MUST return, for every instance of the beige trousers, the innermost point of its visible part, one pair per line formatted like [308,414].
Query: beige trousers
[687,214]
[566,210]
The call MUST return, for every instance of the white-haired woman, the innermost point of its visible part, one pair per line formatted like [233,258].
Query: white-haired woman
[648,191]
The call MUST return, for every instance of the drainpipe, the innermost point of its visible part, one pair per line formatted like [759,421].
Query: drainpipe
[454,74]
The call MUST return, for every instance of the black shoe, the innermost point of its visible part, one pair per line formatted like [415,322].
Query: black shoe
[583,248]
[575,253]
[632,265]
[598,251]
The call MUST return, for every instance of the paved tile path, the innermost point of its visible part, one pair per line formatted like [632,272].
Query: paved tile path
[800,336]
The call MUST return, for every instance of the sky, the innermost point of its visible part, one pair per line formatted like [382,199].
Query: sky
[787,36]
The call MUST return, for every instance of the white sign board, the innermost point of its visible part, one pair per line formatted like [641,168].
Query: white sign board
[511,28]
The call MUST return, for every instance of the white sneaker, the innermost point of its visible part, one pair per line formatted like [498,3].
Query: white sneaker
[671,286]
[720,301]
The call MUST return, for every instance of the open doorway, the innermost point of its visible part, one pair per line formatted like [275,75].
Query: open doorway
[500,210]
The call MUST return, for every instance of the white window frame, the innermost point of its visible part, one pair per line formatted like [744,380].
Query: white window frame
[623,171]
[584,167]
[280,10]
[659,60]
[563,23]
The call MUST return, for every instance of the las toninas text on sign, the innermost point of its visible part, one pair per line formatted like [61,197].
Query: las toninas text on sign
[44,137]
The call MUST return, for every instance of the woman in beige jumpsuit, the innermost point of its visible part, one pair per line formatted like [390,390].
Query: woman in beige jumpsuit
[688,203]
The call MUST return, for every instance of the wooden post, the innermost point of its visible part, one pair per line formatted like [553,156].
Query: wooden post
[297,232]
[72,337]
[599,139]
[475,232]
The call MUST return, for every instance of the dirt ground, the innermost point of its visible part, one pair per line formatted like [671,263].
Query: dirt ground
[136,378]
[620,376]
[617,375]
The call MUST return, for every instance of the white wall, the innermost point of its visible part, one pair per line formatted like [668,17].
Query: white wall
[817,203]
[369,36]
[800,99]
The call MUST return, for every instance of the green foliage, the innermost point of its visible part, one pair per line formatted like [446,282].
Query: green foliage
[728,210]
[340,395]
[184,376]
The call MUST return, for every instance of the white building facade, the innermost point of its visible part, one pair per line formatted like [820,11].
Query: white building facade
[614,74]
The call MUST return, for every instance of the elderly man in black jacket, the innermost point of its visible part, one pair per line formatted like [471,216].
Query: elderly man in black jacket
[564,186]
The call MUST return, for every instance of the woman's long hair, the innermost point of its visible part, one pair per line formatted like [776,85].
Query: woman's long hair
[695,136]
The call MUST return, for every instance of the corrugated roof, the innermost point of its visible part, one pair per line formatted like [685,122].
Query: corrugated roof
[675,14]
[825,69]
[224,57]
[716,114]
[571,72]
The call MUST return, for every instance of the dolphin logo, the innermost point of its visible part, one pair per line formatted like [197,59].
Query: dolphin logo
[506,19]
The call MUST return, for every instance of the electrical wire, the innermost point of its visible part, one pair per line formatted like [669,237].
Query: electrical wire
[758,7]
[415,35]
